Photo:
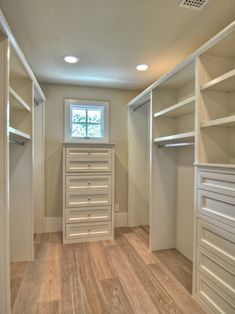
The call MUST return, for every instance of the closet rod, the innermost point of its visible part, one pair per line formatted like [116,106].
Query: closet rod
[175,145]
[144,103]
[16,142]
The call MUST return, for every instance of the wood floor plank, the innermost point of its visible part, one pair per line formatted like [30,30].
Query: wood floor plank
[103,268]
[140,248]
[182,297]
[51,279]
[159,296]
[71,289]
[138,297]
[115,297]
[118,276]
[28,294]
[52,307]
[178,265]
[91,290]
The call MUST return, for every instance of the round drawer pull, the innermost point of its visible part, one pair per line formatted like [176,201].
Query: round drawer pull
[88,215]
[89,183]
[89,166]
[88,199]
[88,230]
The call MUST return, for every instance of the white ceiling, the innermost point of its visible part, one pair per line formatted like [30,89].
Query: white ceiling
[111,37]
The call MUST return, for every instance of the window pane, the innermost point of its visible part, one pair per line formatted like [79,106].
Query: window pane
[94,130]
[94,116]
[78,115]
[78,130]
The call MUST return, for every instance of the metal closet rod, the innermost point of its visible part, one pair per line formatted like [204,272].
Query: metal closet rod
[16,142]
[175,145]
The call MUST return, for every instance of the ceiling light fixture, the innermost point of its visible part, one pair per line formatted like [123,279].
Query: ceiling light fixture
[71,59]
[142,67]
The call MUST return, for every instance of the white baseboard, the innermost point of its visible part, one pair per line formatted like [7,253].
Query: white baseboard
[120,219]
[52,224]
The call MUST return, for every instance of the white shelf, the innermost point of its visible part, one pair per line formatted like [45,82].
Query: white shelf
[19,136]
[225,82]
[16,102]
[223,122]
[183,107]
[176,138]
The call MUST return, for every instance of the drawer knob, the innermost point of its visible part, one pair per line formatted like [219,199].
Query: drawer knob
[89,183]
[88,230]
[89,166]
[88,215]
[89,199]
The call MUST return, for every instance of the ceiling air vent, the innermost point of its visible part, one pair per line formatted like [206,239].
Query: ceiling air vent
[193,4]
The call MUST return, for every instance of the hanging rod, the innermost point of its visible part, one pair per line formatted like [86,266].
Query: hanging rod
[16,142]
[175,145]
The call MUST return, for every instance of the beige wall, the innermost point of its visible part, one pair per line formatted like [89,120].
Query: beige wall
[55,95]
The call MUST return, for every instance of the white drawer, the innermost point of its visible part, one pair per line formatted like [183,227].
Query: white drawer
[88,230]
[88,164]
[88,184]
[217,182]
[218,271]
[88,152]
[215,298]
[218,241]
[217,206]
[89,214]
[74,199]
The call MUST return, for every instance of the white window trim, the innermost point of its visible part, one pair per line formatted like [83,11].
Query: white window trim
[67,123]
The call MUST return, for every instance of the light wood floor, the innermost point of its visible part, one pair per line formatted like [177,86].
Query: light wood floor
[119,276]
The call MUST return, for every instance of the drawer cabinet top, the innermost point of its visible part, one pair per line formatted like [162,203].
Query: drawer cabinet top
[81,152]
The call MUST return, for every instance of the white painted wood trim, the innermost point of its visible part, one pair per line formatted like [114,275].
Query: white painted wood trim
[5,296]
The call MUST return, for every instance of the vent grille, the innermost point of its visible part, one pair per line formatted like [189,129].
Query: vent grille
[193,4]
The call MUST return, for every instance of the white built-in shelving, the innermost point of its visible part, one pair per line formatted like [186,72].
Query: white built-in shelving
[18,136]
[176,138]
[17,102]
[225,82]
[183,107]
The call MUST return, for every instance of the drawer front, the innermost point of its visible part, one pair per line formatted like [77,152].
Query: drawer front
[217,182]
[88,165]
[84,200]
[218,271]
[218,241]
[93,214]
[88,152]
[215,298]
[88,184]
[217,206]
[84,230]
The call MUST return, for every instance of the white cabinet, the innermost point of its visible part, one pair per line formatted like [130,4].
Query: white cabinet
[215,239]
[88,192]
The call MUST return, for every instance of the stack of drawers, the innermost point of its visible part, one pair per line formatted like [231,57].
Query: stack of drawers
[88,192]
[215,240]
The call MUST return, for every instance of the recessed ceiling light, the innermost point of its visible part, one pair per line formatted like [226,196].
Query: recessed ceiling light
[71,59]
[142,67]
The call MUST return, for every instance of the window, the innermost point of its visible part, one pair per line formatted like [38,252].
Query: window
[86,121]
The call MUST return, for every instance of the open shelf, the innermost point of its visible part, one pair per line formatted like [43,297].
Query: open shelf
[176,138]
[183,107]
[225,82]
[16,102]
[223,122]
[215,165]
[19,136]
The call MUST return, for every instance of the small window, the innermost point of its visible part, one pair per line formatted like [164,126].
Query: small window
[86,121]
